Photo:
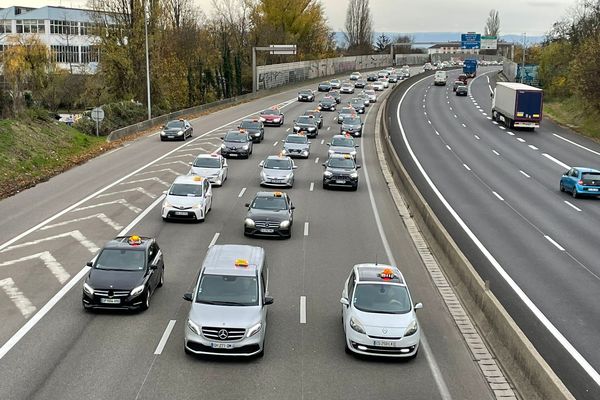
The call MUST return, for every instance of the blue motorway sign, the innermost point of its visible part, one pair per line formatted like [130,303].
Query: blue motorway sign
[470,41]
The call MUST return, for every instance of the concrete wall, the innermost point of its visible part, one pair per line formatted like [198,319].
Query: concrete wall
[509,69]
[411,59]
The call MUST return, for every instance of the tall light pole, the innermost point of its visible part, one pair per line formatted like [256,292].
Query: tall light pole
[523,62]
[146,12]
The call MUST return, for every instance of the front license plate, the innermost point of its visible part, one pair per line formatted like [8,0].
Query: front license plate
[110,301]
[233,154]
[181,213]
[384,343]
[221,345]
[267,230]
[170,137]
[592,190]
[339,181]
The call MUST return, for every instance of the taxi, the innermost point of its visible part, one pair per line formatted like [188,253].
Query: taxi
[255,129]
[352,125]
[272,116]
[342,144]
[296,145]
[341,171]
[237,144]
[178,129]
[277,171]
[378,315]
[211,166]
[270,214]
[189,198]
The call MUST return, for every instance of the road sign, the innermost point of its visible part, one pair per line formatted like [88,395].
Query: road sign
[470,40]
[282,49]
[489,43]
[98,114]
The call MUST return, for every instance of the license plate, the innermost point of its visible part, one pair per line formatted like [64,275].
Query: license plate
[181,213]
[267,230]
[233,154]
[384,343]
[221,345]
[340,181]
[170,137]
[110,301]
[592,190]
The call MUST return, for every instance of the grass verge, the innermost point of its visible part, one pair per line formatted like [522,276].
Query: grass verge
[573,113]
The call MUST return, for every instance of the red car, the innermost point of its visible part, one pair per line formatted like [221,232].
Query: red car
[272,116]
[463,78]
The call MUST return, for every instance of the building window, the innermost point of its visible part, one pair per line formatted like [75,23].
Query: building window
[31,26]
[5,26]
[62,27]
[89,54]
[86,28]
[65,54]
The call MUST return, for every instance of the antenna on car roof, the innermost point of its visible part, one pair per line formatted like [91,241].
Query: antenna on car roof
[376,259]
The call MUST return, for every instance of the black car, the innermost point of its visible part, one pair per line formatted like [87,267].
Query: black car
[124,275]
[340,170]
[360,83]
[236,144]
[306,95]
[255,128]
[269,214]
[336,95]
[372,77]
[324,87]
[462,90]
[306,124]
[352,125]
[327,104]
[317,115]
[358,105]
[178,129]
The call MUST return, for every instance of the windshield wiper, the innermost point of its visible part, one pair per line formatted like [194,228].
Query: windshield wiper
[219,303]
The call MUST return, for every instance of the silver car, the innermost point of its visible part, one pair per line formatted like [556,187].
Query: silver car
[378,86]
[277,171]
[372,95]
[210,166]
[228,316]
[335,83]
[347,88]
[296,145]
[342,144]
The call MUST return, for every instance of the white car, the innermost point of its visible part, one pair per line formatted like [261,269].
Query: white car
[372,95]
[347,88]
[355,76]
[188,198]
[277,171]
[210,166]
[385,81]
[335,83]
[378,314]
[378,86]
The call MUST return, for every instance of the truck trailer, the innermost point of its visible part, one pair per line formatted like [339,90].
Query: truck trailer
[517,105]
[470,67]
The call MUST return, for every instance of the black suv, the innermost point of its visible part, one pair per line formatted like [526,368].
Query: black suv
[352,125]
[125,274]
[236,144]
[270,214]
[306,124]
[255,129]
[340,170]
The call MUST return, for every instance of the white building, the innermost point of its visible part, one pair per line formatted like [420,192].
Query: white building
[66,31]
[450,48]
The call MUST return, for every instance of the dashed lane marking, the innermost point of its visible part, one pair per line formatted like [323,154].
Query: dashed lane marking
[242,192]
[214,239]
[165,337]
[558,246]
[573,206]
[306,229]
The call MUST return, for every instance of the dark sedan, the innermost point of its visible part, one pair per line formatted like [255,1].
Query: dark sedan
[324,87]
[306,95]
[327,104]
[462,90]
[255,129]
[269,214]
[178,129]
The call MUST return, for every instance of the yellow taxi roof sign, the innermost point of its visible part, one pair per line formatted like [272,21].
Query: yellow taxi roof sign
[277,194]
[240,262]
[387,273]
[134,240]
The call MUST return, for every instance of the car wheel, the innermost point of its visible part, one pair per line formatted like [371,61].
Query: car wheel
[574,193]
[162,278]
[562,187]
[146,303]
[354,188]
[325,186]
[187,351]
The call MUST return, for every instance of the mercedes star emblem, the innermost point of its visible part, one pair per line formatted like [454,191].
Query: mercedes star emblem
[223,334]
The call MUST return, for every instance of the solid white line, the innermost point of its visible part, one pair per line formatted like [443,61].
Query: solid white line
[306,229]
[316,160]
[450,108]
[495,152]
[498,196]
[491,91]
[214,239]
[312,186]
[490,118]
[448,147]
[488,78]
[532,147]
[302,309]
[521,140]
[424,112]
[558,246]
[554,160]
[242,192]
[573,206]
[524,173]
[477,137]
[165,337]
[520,293]
[466,167]
[576,144]
[275,144]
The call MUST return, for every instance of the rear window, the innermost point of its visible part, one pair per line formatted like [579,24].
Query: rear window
[591,178]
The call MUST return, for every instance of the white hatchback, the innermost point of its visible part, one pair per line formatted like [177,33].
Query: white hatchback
[188,198]
[210,166]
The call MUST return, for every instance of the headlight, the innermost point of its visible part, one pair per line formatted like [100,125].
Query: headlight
[223,146]
[354,175]
[276,119]
[284,152]
[193,327]
[327,174]
[311,129]
[197,206]
[305,152]
[257,134]
[254,330]
[299,98]
[245,147]
[353,153]
[289,176]
[331,151]
[179,133]
[262,119]
[166,204]
[412,328]
[88,289]
[356,325]
[284,224]
[137,290]
[249,222]
[162,133]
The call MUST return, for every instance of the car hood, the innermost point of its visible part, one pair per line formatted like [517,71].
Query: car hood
[225,316]
[120,280]
[234,145]
[385,325]
[201,171]
[173,131]
[340,171]
[252,130]
[271,117]
[183,201]
[265,215]
[296,146]
[301,125]
[278,173]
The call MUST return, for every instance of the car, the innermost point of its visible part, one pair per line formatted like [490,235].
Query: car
[336,95]
[178,129]
[255,128]
[345,112]
[340,170]
[270,214]
[355,76]
[372,95]
[372,77]
[405,72]
[428,67]
[306,124]
[277,171]
[360,83]
[228,313]
[378,314]
[327,104]
[296,145]
[236,144]
[272,116]
[390,70]
[581,182]
[457,84]
[393,78]
[358,105]
[335,83]
[382,74]
[463,78]
[342,144]
[378,86]
[462,90]
[324,87]
[124,275]
[189,198]
[385,81]
[352,125]
[317,115]
[347,88]
[306,95]
[210,166]
[365,98]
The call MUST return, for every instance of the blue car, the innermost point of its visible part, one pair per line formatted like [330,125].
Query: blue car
[580,181]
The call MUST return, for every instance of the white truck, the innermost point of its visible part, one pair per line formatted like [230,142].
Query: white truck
[517,105]
[440,78]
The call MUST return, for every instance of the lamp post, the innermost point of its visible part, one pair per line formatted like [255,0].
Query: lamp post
[523,62]
[146,11]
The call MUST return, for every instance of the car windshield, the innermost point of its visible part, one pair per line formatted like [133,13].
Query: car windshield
[185,189]
[343,142]
[305,92]
[335,81]
[250,125]
[175,124]
[305,120]
[270,112]
[352,121]
[356,102]
[296,139]
[370,92]
[347,111]
[381,298]
[273,163]
[327,101]
[236,137]
[324,84]
[228,290]
[345,163]
[205,162]
[121,260]
[269,203]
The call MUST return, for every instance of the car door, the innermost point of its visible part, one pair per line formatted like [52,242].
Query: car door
[224,169]
[207,195]
[152,271]
[571,179]
[348,293]
[290,209]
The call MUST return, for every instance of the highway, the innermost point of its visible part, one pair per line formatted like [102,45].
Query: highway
[53,349]
[496,191]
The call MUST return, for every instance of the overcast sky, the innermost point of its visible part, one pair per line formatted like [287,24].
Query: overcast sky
[516,16]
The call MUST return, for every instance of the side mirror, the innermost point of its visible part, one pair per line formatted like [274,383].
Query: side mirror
[356,145]
[268,300]
[328,144]
[293,207]
[566,173]
[164,192]
[418,306]
[187,296]
[191,163]
[247,204]
[295,167]
[89,263]
[262,163]
[324,164]
[344,301]
[358,167]
[222,137]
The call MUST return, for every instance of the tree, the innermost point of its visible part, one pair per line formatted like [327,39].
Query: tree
[359,27]
[492,25]
[382,45]
[585,67]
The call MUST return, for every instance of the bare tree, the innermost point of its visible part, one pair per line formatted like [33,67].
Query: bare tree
[492,25]
[359,26]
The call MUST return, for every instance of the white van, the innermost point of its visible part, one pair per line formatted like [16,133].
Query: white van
[440,78]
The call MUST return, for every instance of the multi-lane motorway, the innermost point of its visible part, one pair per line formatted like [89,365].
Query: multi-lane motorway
[497,191]
[53,349]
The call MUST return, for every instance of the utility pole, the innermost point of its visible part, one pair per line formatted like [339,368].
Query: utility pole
[523,63]
[146,11]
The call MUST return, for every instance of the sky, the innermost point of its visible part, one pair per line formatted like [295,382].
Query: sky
[516,16]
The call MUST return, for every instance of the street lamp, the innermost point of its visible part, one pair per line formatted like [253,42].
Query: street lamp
[146,12]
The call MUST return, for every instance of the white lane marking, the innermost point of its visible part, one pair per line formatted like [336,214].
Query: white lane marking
[510,133]
[423,105]
[178,156]
[137,189]
[424,112]
[163,340]
[573,206]
[155,179]
[525,174]
[316,160]
[488,78]
[464,126]
[477,137]
[306,229]
[214,239]
[532,147]
[483,113]
[448,147]
[455,116]
[242,192]
[501,127]
[576,144]
[287,130]
[491,91]
[556,161]
[154,134]
[429,122]
[521,140]
[478,107]
[322,141]
[490,118]
[302,309]
[73,234]
[498,196]
[466,167]
[494,122]
[275,144]
[520,293]
[120,201]
[450,108]
[17,297]
[312,186]
[160,170]
[558,246]
[495,152]
[437,133]
[328,128]
[102,217]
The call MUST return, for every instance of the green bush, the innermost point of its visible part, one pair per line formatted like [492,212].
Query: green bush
[116,115]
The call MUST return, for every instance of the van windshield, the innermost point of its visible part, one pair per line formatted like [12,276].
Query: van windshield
[228,290]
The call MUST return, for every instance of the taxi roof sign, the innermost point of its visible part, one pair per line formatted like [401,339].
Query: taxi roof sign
[134,240]
[240,262]
[277,194]
[198,178]
[387,274]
